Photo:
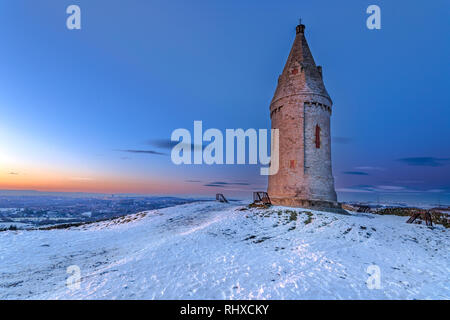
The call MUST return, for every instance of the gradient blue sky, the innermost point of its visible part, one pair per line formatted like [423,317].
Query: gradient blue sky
[70,101]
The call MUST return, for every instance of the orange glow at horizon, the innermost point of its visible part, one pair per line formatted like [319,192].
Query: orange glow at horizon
[54,182]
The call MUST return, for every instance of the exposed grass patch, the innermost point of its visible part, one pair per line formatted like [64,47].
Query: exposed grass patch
[259,206]
[309,219]
[250,238]
[262,239]
[292,215]
[10,228]
[348,230]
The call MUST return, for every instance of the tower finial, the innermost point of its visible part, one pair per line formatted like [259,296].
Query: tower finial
[301,27]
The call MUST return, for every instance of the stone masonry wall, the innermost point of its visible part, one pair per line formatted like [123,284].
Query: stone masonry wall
[299,104]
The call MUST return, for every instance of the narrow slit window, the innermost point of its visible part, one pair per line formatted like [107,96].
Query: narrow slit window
[317,136]
[292,164]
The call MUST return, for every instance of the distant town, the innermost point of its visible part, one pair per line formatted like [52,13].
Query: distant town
[31,212]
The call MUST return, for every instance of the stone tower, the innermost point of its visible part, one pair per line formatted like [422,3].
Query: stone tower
[301,110]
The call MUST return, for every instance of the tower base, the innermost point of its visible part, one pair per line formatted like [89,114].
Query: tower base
[319,205]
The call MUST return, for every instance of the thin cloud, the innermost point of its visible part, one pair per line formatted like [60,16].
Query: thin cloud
[168,144]
[162,143]
[353,190]
[212,185]
[391,188]
[409,181]
[358,188]
[369,168]
[225,184]
[425,161]
[387,189]
[356,173]
[436,190]
[143,152]
[231,183]
[14,173]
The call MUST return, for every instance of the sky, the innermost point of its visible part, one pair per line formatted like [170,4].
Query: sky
[92,110]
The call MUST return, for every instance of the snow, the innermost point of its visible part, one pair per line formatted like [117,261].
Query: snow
[211,250]
[87,214]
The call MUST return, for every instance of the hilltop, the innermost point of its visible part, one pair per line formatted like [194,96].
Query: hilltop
[211,250]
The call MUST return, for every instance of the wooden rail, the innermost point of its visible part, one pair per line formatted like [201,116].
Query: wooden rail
[261,197]
[221,198]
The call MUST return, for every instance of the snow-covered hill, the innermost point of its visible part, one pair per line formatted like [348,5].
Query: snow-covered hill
[211,250]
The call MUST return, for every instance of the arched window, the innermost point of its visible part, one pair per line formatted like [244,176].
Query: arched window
[317,136]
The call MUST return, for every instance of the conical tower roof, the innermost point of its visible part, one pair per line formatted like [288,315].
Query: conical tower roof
[300,74]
